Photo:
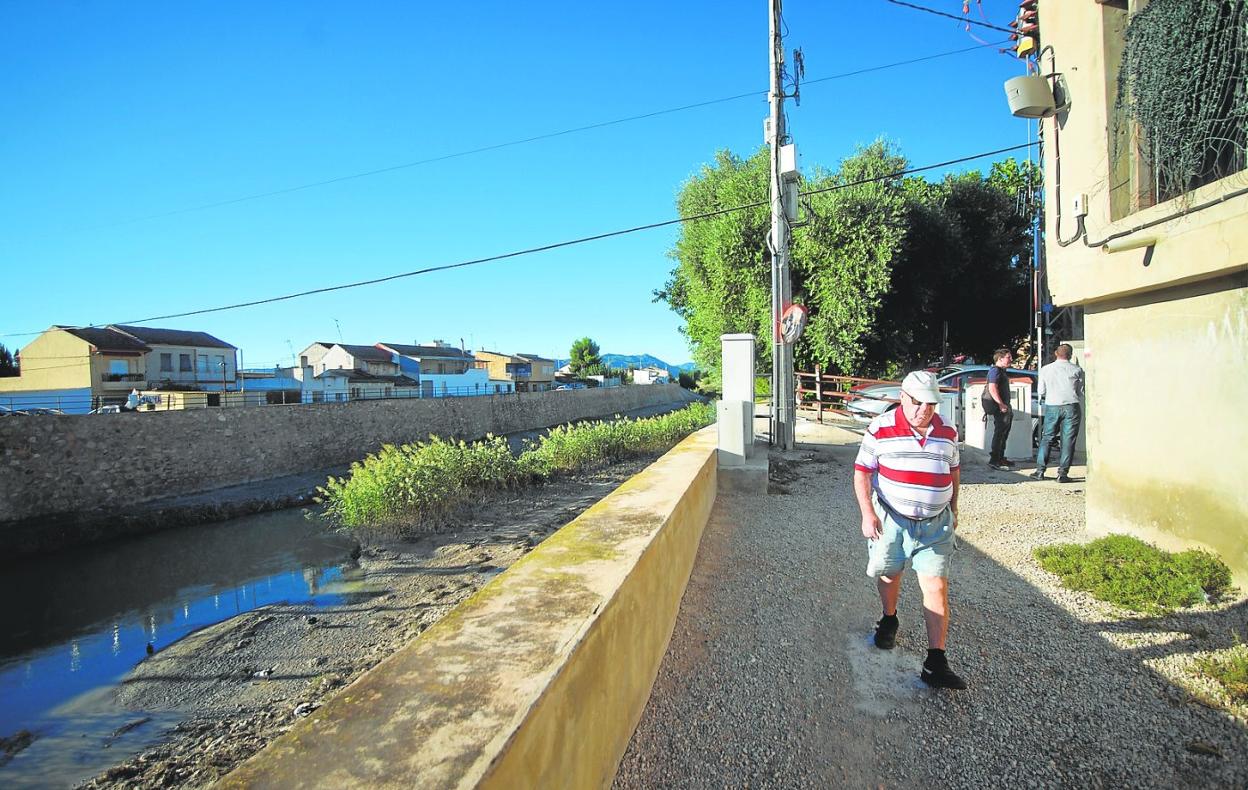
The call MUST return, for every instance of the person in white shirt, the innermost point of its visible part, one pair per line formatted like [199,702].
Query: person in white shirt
[1061,391]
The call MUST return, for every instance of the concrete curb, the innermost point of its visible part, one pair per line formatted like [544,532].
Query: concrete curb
[540,678]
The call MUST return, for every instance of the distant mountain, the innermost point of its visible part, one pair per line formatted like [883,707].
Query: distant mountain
[637,361]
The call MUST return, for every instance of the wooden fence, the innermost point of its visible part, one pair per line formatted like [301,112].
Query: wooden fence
[827,394]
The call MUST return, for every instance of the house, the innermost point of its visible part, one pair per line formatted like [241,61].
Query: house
[651,375]
[1151,244]
[76,369]
[513,369]
[541,374]
[443,370]
[180,357]
[366,372]
[290,385]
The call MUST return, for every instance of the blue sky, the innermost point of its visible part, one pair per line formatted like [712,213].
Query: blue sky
[117,112]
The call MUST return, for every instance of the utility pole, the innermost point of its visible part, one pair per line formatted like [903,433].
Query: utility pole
[783,407]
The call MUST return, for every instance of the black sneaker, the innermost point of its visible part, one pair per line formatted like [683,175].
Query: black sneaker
[1006,462]
[886,633]
[1064,479]
[1000,467]
[1037,475]
[936,672]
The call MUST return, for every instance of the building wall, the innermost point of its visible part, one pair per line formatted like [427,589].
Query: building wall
[1166,325]
[335,359]
[197,374]
[55,360]
[471,382]
[1167,438]
[66,478]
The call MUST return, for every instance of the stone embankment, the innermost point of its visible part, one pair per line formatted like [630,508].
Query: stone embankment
[76,479]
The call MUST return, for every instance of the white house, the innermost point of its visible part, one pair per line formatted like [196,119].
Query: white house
[651,375]
[365,371]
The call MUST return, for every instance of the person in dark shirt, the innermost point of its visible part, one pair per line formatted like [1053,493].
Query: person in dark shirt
[996,401]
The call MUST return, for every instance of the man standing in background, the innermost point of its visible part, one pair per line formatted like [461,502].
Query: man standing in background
[996,401]
[1061,391]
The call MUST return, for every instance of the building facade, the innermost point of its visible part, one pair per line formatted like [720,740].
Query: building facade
[510,368]
[1160,270]
[77,369]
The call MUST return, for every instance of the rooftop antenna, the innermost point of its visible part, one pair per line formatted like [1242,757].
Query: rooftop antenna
[339,330]
[294,361]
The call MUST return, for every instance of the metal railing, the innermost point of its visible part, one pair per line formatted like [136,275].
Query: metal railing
[826,394]
[14,404]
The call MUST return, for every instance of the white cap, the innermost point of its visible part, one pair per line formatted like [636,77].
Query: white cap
[921,385]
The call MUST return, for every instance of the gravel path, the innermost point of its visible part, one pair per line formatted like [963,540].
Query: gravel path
[771,680]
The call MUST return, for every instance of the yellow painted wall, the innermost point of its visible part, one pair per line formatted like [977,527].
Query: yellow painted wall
[1167,436]
[497,363]
[55,360]
[536,681]
[1085,37]
[1166,328]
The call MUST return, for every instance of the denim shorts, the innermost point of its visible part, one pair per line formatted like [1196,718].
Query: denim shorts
[927,545]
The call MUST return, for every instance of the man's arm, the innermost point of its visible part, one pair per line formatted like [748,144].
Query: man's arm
[862,492]
[956,474]
[995,388]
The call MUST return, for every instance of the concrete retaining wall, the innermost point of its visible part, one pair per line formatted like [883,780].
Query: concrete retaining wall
[60,474]
[540,678]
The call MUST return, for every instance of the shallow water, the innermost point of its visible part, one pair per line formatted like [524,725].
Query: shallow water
[73,624]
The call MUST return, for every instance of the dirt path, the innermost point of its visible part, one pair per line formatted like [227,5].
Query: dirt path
[241,683]
[771,679]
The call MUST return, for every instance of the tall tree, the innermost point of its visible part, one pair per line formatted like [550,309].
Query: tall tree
[585,358]
[881,262]
[722,279]
[8,366]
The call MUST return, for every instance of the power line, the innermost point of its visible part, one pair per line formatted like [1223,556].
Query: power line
[533,139]
[555,245]
[967,20]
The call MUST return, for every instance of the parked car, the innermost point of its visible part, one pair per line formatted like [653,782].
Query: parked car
[879,398]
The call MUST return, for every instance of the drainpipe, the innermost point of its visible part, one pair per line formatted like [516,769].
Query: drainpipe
[1037,255]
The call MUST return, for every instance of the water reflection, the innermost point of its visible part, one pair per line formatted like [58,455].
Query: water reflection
[77,621]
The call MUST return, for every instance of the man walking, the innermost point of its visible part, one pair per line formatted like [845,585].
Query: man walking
[906,480]
[1061,390]
[996,402]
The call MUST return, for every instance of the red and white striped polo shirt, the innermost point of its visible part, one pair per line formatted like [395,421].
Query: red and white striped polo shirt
[913,474]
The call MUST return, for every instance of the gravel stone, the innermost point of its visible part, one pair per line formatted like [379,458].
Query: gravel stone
[770,679]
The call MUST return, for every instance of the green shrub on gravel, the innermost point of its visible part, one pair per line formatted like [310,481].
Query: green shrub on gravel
[1230,669]
[1135,575]
[408,485]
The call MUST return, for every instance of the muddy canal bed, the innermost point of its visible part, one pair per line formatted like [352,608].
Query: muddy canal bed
[198,706]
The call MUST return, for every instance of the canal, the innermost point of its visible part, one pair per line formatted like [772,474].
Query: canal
[76,623]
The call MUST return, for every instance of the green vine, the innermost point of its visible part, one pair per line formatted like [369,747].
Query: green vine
[1184,85]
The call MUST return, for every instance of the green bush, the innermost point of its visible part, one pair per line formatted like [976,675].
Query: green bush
[1136,575]
[413,484]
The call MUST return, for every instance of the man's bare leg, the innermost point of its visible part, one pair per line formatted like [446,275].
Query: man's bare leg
[890,592]
[935,608]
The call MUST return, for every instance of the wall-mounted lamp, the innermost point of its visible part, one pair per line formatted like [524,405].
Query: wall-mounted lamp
[1129,243]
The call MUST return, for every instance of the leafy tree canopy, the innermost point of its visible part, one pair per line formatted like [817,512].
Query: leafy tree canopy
[585,358]
[8,367]
[881,262]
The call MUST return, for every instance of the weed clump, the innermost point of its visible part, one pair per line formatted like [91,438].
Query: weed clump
[406,486]
[1230,670]
[1135,575]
